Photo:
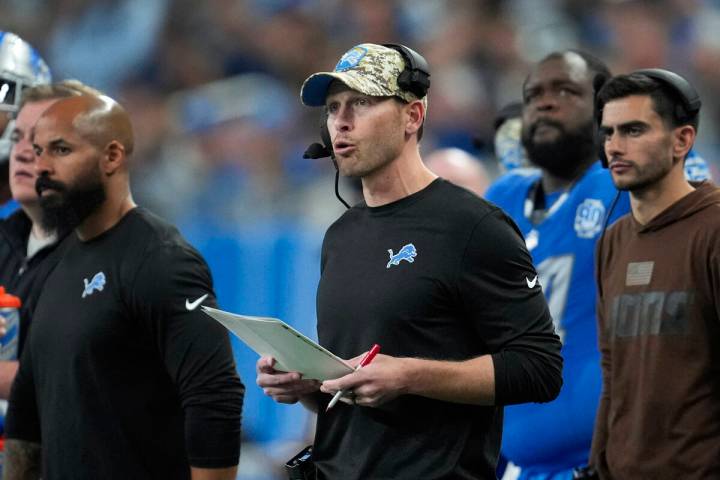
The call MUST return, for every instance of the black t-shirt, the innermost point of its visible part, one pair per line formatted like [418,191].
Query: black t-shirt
[120,378]
[440,274]
[22,276]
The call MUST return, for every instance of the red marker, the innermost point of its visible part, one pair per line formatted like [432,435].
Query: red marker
[363,362]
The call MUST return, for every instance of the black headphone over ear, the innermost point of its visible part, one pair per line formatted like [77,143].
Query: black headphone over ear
[689,98]
[415,78]
[688,108]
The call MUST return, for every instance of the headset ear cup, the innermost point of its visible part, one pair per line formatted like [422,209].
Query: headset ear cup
[404,82]
[415,78]
[682,113]
[690,102]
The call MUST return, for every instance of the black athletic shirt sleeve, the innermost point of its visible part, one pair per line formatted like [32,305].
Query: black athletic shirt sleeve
[499,290]
[195,350]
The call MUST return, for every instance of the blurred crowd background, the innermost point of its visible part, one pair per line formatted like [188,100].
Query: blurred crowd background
[213,89]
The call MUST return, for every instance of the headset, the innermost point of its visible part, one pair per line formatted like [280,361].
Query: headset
[688,107]
[415,78]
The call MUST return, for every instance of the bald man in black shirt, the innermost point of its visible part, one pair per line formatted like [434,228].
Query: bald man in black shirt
[122,376]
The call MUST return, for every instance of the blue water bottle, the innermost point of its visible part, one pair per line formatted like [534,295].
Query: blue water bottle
[10,313]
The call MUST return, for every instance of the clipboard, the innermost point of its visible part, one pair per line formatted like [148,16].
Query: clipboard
[293,351]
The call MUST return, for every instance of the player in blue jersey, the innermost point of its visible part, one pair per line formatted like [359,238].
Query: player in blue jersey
[560,207]
[560,202]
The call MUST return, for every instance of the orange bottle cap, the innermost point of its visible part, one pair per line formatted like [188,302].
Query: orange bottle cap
[8,301]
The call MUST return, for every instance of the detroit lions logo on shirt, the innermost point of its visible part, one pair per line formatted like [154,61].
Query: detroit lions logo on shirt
[589,218]
[97,283]
[408,252]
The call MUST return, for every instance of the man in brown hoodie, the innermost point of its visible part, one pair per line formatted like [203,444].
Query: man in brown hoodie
[659,290]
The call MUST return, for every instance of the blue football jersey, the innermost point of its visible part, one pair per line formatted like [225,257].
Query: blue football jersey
[556,436]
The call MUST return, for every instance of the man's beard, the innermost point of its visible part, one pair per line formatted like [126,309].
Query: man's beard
[67,207]
[563,156]
[649,174]
[646,177]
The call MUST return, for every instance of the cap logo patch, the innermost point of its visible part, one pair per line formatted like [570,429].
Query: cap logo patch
[351,58]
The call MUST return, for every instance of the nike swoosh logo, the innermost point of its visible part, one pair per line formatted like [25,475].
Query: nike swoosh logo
[193,305]
[531,284]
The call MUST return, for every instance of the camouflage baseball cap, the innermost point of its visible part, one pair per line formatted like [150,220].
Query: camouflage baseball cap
[368,68]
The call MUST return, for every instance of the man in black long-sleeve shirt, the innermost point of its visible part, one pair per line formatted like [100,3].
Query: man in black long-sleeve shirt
[122,375]
[438,277]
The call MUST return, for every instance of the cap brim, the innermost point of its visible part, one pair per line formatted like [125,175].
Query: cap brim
[315,88]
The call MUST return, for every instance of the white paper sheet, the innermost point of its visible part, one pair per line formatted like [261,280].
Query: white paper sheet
[293,351]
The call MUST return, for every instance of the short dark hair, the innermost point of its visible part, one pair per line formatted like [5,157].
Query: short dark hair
[666,101]
[599,70]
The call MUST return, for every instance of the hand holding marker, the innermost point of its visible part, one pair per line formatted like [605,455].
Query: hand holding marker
[363,362]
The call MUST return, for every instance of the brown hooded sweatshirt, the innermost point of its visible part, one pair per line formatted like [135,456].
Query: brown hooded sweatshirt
[659,333]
